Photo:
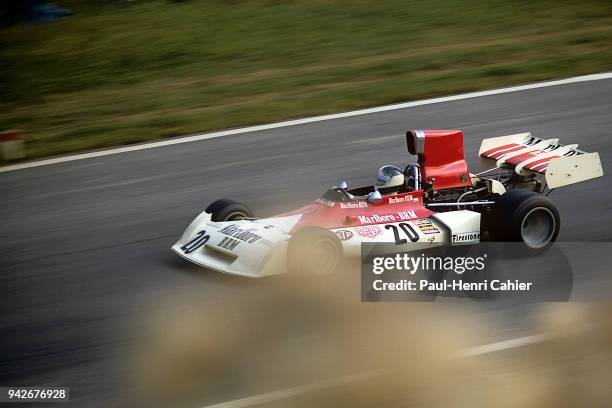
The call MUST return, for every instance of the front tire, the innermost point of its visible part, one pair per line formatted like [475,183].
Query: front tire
[228,210]
[527,217]
[313,251]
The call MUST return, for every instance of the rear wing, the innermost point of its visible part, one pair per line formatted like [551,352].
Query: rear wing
[526,154]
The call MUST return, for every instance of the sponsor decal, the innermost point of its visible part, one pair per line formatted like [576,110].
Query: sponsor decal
[466,237]
[377,219]
[426,226]
[325,202]
[369,232]
[407,215]
[228,243]
[343,235]
[405,199]
[373,219]
[358,204]
[243,235]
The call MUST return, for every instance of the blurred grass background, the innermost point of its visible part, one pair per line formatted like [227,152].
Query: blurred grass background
[120,72]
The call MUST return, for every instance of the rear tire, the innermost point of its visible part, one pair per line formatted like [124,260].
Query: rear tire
[313,251]
[228,210]
[527,217]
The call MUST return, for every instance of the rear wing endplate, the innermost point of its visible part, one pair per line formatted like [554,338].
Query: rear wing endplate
[526,154]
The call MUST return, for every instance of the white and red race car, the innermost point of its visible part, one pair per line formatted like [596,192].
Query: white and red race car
[438,202]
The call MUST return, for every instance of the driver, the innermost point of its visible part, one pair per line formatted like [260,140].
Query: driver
[389,179]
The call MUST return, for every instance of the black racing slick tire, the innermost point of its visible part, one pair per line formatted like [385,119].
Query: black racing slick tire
[228,210]
[527,217]
[313,251]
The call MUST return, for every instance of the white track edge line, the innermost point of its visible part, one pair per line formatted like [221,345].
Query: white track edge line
[249,129]
[365,375]
[504,345]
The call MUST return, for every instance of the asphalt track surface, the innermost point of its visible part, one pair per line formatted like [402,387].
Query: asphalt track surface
[85,244]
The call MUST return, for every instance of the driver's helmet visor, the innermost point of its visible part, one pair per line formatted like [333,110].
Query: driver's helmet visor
[386,173]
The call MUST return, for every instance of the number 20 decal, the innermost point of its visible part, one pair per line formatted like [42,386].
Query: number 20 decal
[406,229]
[200,239]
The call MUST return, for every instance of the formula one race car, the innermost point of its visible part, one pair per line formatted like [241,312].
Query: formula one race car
[435,201]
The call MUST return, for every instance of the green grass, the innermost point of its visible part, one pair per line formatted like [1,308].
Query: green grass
[119,73]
